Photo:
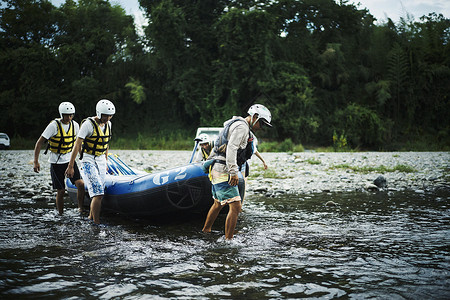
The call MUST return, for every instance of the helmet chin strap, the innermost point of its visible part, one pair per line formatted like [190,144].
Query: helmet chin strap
[253,124]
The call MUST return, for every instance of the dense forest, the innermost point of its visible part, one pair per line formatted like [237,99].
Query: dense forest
[326,69]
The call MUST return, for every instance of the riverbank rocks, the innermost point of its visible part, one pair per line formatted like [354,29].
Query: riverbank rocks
[40,198]
[371,187]
[297,173]
[380,181]
[260,190]
[338,172]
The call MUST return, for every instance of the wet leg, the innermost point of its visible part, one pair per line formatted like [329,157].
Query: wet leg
[96,205]
[230,223]
[60,200]
[212,216]
[80,194]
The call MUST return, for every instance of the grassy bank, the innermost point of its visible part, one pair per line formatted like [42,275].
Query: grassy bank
[174,141]
[183,141]
[170,141]
[379,169]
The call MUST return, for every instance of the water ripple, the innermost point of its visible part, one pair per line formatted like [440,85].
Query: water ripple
[388,245]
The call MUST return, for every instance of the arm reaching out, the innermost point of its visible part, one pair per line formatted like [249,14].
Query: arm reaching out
[262,159]
[76,149]
[37,150]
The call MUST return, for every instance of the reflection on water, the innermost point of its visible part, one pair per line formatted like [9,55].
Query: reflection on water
[380,245]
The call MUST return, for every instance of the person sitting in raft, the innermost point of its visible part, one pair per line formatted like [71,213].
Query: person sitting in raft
[232,148]
[60,134]
[206,146]
[93,143]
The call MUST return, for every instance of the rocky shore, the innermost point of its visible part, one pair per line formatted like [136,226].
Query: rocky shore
[295,173]
[310,172]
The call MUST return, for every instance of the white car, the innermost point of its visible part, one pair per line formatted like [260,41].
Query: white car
[4,141]
[211,132]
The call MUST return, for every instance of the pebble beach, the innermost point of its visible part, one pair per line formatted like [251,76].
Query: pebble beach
[291,173]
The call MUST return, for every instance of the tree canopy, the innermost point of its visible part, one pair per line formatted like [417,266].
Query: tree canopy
[321,67]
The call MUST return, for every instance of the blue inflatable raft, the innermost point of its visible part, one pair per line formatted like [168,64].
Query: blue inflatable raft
[143,195]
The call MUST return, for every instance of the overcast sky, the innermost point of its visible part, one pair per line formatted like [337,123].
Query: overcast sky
[381,9]
[395,9]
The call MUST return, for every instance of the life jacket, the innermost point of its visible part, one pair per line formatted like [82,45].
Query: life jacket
[222,141]
[63,141]
[205,154]
[98,142]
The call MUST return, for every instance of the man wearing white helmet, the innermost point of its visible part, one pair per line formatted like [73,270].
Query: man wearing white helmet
[60,134]
[93,143]
[232,148]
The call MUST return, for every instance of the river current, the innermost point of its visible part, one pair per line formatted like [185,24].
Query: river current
[385,245]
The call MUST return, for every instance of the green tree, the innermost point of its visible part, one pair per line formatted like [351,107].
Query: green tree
[54,54]
[430,71]
[362,126]
[292,103]
[29,69]
[397,74]
[322,66]
[94,39]
[244,60]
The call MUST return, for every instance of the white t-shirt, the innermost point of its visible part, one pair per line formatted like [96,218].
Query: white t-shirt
[50,131]
[87,130]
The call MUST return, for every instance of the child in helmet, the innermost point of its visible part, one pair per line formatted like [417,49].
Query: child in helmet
[60,134]
[206,146]
[93,143]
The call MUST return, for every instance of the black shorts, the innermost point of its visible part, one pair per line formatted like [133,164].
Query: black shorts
[58,178]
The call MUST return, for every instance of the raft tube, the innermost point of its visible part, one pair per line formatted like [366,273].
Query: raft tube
[182,189]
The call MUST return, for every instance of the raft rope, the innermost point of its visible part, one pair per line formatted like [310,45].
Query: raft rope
[117,167]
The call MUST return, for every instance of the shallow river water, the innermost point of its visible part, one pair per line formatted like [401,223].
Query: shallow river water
[385,245]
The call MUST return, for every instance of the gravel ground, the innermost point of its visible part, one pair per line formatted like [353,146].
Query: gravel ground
[310,172]
[301,173]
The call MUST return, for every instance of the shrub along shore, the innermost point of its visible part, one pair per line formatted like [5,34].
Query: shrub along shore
[179,141]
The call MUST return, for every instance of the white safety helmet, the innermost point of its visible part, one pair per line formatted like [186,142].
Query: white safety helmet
[263,114]
[66,108]
[105,107]
[202,138]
